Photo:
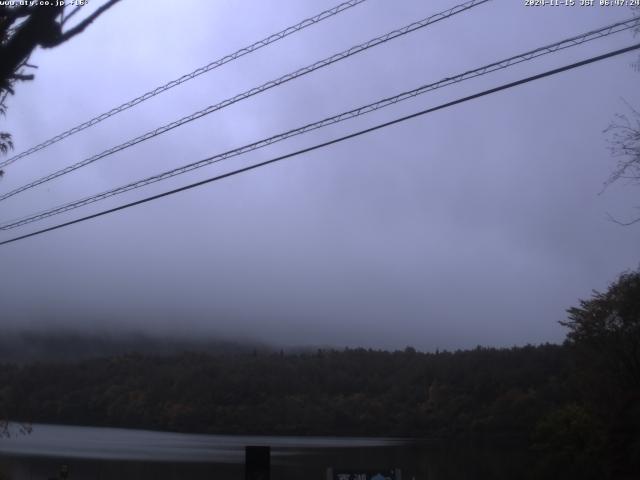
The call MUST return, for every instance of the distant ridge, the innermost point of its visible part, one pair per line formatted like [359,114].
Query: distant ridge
[67,345]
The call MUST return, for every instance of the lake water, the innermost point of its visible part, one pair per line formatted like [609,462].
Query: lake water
[110,453]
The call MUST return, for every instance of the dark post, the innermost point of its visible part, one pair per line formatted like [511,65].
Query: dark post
[63,474]
[257,463]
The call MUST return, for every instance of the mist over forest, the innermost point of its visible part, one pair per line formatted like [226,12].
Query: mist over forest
[68,345]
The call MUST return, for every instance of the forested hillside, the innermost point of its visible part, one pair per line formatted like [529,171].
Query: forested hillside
[356,392]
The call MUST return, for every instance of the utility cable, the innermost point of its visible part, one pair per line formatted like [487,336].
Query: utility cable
[254,91]
[502,64]
[178,81]
[334,141]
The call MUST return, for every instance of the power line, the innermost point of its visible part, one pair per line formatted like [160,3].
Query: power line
[254,91]
[502,64]
[334,141]
[178,81]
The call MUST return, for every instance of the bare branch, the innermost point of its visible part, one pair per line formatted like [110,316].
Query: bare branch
[619,222]
[20,76]
[82,25]
[71,14]
[624,141]
[3,97]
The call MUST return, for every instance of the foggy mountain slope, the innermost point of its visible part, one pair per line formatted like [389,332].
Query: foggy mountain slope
[25,346]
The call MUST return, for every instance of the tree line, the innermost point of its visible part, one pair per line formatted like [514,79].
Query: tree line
[348,392]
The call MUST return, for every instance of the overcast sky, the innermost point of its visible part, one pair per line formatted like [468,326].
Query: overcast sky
[478,224]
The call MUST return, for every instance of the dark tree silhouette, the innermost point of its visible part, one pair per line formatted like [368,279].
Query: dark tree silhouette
[23,28]
[608,327]
[604,332]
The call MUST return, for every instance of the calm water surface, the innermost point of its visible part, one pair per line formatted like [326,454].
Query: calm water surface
[110,453]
